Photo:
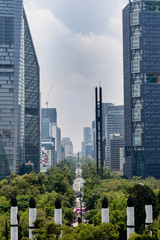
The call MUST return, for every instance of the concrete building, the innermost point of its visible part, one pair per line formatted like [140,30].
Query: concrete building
[86,144]
[51,130]
[114,125]
[58,147]
[141,57]
[116,143]
[87,135]
[122,161]
[93,139]
[104,114]
[68,147]
[49,122]
[88,150]
[83,149]
[48,155]
[19,91]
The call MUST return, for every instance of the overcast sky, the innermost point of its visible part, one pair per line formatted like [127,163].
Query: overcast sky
[78,44]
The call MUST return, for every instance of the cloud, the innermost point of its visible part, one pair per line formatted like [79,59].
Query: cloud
[74,62]
[115,21]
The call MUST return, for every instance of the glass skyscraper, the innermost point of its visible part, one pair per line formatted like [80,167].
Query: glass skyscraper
[19,91]
[141,50]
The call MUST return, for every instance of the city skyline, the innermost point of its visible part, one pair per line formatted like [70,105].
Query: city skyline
[78,45]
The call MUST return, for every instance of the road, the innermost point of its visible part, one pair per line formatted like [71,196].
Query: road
[78,182]
[77,186]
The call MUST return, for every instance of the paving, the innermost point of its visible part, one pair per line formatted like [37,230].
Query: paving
[77,186]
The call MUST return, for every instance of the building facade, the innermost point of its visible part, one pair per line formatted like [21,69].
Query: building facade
[141,51]
[49,120]
[116,142]
[86,140]
[68,147]
[93,139]
[19,91]
[114,125]
[104,114]
[51,130]
[48,154]
[87,135]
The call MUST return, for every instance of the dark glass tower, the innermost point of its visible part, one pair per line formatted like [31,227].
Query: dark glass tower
[32,100]
[141,51]
[19,91]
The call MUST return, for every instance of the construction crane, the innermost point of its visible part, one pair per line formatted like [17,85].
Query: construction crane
[48,96]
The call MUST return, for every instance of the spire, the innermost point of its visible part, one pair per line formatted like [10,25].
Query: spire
[105,203]
[130,202]
[14,201]
[32,203]
[148,200]
[58,204]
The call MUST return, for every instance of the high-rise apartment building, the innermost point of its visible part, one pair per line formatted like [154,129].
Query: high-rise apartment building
[19,91]
[141,50]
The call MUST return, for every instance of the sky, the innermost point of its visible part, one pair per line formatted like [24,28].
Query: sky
[79,46]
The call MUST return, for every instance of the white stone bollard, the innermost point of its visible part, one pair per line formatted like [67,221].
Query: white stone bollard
[32,216]
[105,211]
[58,213]
[149,211]
[14,219]
[130,217]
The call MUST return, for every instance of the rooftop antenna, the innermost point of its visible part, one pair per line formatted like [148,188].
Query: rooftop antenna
[48,96]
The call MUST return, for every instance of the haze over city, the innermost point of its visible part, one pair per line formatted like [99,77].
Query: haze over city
[79,44]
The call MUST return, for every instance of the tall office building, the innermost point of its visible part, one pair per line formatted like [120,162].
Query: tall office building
[87,135]
[58,145]
[93,139]
[86,140]
[116,142]
[141,49]
[19,91]
[49,120]
[104,114]
[50,130]
[114,125]
[68,147]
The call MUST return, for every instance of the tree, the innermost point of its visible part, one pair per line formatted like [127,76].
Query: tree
[69,216]
[46,229]
[139,194]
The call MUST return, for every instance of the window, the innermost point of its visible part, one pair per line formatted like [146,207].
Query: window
[134,17]
[135,66]
[136,90]
[135,42]
[136,115]
[137,141]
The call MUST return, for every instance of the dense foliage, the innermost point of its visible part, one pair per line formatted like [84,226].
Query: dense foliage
[57,182]
[117,191]
[45,187]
